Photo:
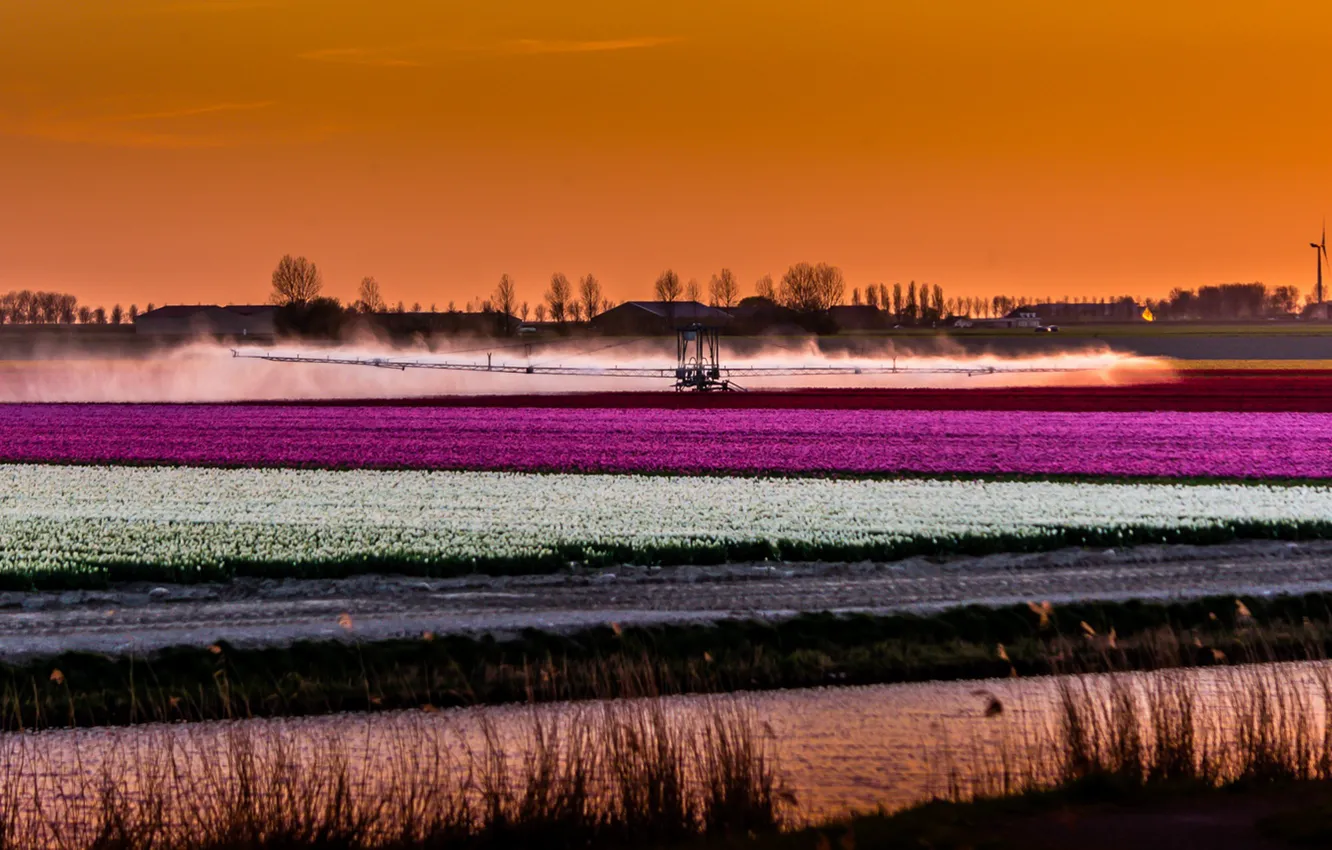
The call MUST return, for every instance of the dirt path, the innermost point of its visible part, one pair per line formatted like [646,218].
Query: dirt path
[142,618]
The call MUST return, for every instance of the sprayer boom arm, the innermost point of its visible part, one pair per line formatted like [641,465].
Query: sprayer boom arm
[647,372]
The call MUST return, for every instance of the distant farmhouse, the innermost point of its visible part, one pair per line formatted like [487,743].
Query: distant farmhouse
[1123,310]
[427,324]
[250,321]
[762,315]
[1061,313]
[262,322]
[658,317]
[1023,317]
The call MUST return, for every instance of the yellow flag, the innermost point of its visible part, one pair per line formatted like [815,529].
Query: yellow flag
[1147,315]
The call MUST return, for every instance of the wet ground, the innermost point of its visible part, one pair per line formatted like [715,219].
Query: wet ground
[254,612]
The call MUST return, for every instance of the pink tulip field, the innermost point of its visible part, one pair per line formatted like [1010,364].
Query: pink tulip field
[1168,444]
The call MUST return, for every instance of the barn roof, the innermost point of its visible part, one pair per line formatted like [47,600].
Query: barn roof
[184,311]
[678,310]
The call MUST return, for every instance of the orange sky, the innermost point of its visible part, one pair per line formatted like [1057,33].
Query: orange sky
[173,150]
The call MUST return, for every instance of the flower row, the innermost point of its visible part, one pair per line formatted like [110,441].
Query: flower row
[90,522]
[1163,444]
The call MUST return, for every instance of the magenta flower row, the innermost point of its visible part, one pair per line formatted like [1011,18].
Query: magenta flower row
[1172,444]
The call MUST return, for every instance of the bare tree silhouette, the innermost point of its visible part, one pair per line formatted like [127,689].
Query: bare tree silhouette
[812,289]
[763,288]
[558,296]
[48,304]
[368,297]
[296,280]
[589,293]
[723,290]
[667,290]
[505,301]
[667,287]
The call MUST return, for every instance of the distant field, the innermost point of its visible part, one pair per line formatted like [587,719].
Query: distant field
[1208,342]
[1119,329]
[1174,328]
[1252,365]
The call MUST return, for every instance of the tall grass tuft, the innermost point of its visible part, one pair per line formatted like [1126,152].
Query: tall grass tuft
[1241,725]
[737,770]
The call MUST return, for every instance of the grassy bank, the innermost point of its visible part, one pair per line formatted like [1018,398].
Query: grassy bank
[1086,816]
[819,649]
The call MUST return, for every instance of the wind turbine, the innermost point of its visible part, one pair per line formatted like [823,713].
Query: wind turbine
[1320,249]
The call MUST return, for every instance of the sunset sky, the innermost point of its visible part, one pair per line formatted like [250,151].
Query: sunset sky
[173,150]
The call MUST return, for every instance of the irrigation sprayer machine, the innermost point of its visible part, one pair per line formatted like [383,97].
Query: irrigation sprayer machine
[698,365]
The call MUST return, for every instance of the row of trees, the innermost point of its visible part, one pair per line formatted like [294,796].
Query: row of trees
[907,305]
[1228,301]
[26,307]
[723,289]
[562,303]
[804,288]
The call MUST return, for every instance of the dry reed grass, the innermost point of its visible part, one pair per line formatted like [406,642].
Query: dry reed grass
[1253,724]
[614,774]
